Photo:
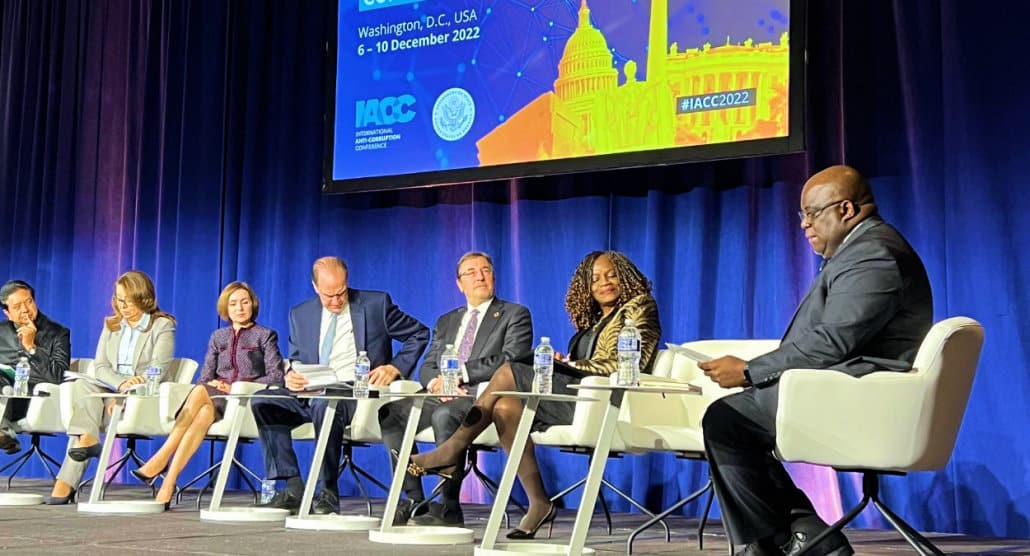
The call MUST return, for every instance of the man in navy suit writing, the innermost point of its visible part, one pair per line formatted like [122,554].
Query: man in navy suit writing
[331,329]
[868,310]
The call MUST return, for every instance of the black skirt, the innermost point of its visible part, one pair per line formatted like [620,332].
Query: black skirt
[218,403]
[549,413]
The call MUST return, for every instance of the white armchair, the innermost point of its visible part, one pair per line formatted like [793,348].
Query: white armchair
[141,417]
[882,423]
[173,394]
[651,423]
[42,419]
[580,437]
[487,441]
[362,431]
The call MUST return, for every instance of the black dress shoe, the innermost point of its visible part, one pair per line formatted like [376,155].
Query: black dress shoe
[441,516]
[405,510]
[325,504]
[805,529]
[9,443]
[283,500]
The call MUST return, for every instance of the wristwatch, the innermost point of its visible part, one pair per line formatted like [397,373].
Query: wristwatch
[747,375]
[31,351]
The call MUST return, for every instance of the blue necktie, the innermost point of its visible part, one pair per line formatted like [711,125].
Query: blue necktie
[327,343]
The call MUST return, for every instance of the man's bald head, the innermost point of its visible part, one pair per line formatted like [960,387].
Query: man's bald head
[841,182]
[833,202]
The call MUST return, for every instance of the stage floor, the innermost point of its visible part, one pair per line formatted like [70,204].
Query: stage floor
[62,530]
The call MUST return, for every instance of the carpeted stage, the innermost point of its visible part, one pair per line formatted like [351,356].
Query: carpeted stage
[62,530]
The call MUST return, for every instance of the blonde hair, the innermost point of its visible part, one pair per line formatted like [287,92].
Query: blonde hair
[583,309]
[223,300]
[139,290]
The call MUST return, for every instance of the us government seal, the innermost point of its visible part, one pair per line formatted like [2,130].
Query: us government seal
[453,114]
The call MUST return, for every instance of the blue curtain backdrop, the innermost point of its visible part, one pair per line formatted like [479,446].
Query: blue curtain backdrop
[185,138]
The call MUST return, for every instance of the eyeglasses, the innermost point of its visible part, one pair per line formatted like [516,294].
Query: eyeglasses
[486,271]
[810,215]
[330,296]
[123,301]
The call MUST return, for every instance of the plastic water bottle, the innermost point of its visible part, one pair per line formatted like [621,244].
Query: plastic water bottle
[21,377]
[543,366]
[629,354]
[267,490]
[361,369]
[153,376]
[450,370]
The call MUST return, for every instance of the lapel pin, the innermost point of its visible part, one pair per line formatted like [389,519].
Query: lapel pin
[497,314]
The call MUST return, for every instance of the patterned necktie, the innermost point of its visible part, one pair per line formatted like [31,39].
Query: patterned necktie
[327,343]
[465,348]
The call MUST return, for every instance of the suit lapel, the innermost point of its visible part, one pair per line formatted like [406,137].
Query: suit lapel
[357,318]
[113,341]
[874,221]
[308,339]
[488,321]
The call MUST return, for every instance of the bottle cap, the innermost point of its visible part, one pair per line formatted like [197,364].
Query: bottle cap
[360,353]
[628,322]
[545,340]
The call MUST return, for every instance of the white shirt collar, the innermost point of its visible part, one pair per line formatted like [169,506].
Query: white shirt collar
[141,325]
[482,307]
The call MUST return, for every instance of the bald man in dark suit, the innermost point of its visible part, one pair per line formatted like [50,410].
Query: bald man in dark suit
[867,311]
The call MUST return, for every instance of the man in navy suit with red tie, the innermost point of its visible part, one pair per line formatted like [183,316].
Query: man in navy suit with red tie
[331,329]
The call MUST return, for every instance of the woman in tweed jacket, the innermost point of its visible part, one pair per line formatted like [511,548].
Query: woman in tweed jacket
[244,350]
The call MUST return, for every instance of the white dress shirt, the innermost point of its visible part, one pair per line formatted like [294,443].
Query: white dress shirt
[343,354]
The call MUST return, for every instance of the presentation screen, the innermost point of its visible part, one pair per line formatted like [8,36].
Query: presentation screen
[447,91]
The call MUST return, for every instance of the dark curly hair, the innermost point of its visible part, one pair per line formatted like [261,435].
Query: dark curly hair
[583,309]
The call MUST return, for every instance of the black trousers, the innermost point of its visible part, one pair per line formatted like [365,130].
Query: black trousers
[445,418]
[16,409]
[756,495]
[277,417]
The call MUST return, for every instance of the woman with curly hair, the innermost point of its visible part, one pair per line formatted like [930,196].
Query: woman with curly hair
[606,289]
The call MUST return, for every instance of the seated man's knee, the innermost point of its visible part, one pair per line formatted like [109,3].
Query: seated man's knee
[446,418]
[719,419]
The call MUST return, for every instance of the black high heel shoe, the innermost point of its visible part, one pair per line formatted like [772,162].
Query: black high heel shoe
[519,534]
[149,481]
[60,500]
[83,454]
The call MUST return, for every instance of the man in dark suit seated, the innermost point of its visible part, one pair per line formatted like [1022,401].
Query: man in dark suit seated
[331,329]
[486,332]
[868,310]
[30,334]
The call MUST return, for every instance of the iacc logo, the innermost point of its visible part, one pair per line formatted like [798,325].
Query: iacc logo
[384,111]
[453,114]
